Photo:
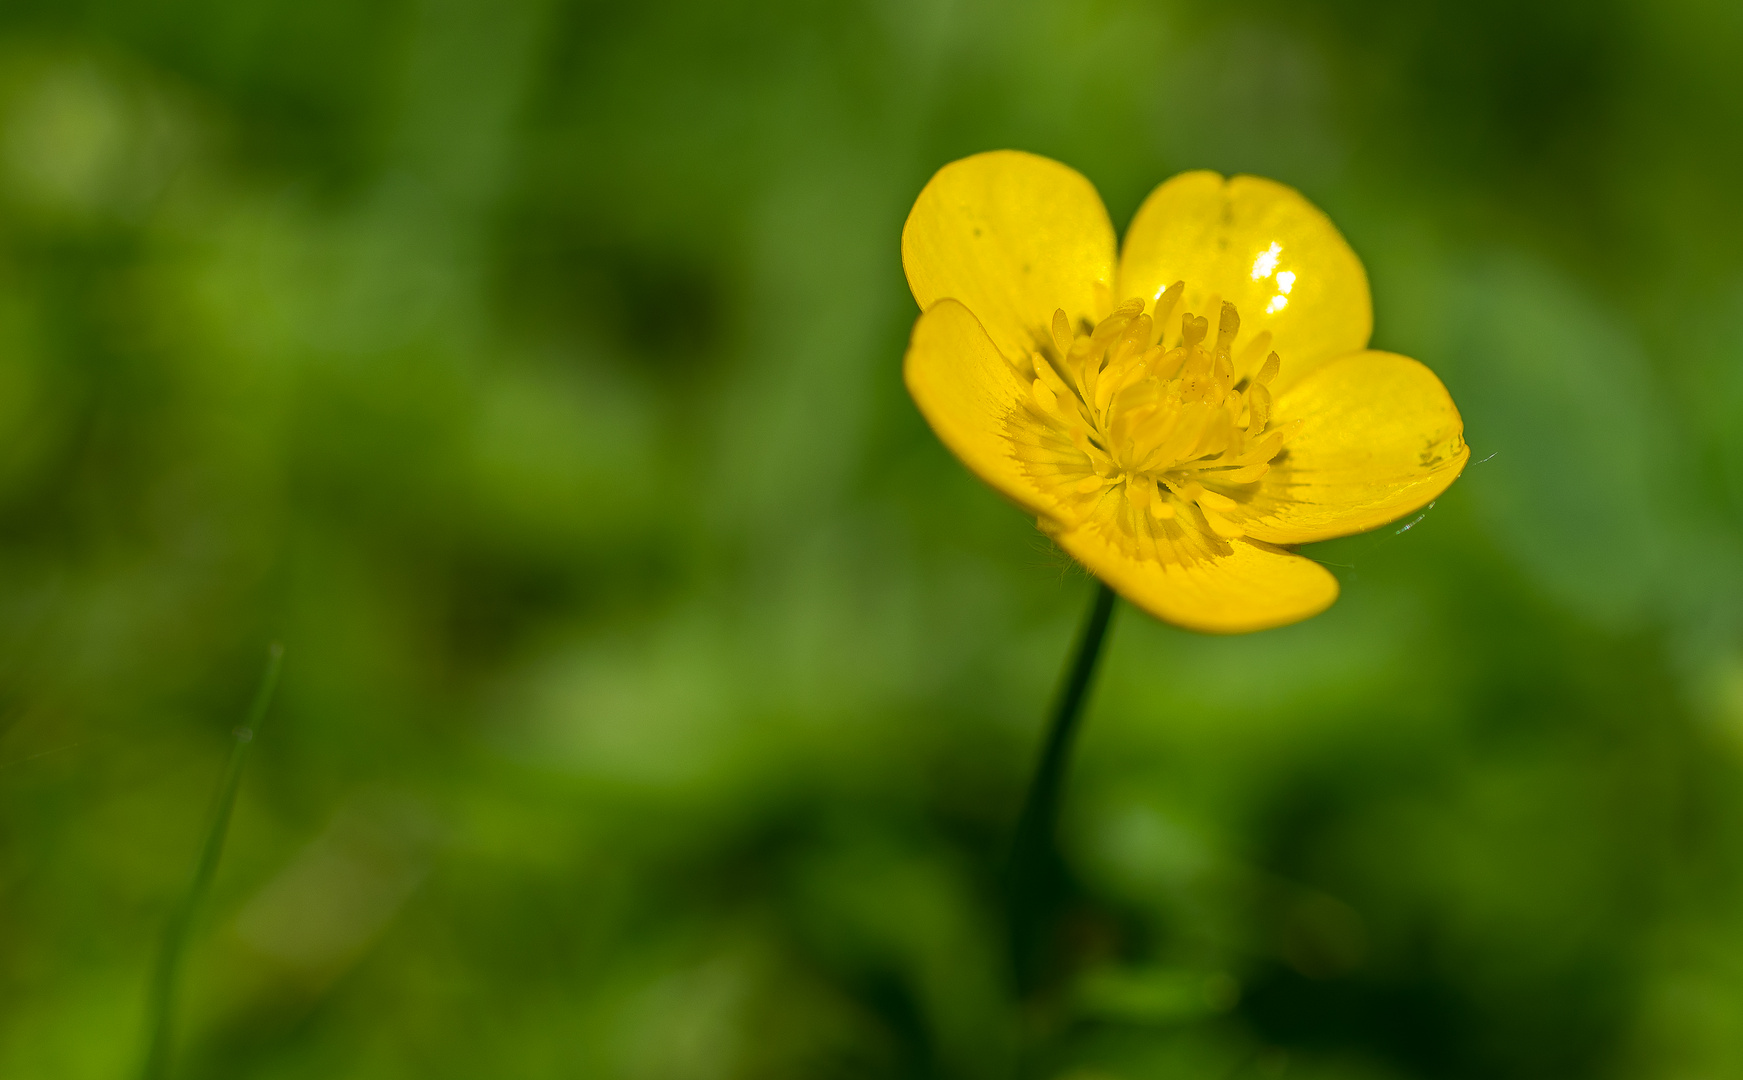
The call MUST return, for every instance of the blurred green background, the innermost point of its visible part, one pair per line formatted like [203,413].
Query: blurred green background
[659,694]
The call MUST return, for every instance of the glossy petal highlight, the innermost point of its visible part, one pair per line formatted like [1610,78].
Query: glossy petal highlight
[1014,237]
[1216,587]
[1261,246]
[1380,437]
[967,391]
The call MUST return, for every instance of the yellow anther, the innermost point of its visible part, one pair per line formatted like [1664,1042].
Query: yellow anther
[1061,331]
[1224,372]
[1228,325]
[1166,302]
[1124,415]
[1137,337]
[1192,329]
[1258,407]
[1111,380]
[1268,370]
[1045,371]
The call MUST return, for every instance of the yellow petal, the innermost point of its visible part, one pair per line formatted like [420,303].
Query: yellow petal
[1015,237]
[968,392]
[1380,437]
[1218,587]
[1261,246]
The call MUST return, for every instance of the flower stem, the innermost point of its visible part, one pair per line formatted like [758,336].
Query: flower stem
[166,975]
[1036,875]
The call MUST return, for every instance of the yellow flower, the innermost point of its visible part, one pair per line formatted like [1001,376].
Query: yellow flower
[1172,419]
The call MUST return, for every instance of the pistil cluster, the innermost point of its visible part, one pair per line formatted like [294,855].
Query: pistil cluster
[1148,433]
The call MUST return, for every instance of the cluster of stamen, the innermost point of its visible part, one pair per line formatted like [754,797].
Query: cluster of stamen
[1146,431]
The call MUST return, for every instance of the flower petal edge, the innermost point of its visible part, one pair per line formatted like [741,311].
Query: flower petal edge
[1014,236]
[1262,246]
[1380,438]
[965,388]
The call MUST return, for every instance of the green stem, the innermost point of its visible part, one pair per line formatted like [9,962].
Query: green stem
[1035,869]
[166,975]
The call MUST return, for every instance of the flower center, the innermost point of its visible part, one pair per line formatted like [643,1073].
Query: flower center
[1146,431]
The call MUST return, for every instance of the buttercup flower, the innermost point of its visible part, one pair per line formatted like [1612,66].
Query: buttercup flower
[1173,419]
